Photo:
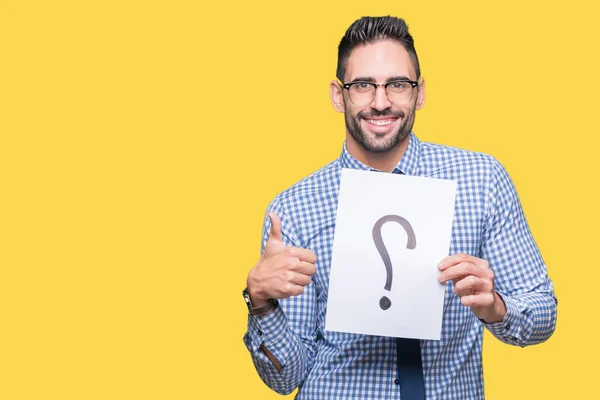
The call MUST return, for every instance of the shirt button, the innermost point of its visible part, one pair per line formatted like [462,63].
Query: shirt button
[507,326]
[397,381]
[259,332]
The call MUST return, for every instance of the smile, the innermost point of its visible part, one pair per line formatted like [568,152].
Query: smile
[381,122]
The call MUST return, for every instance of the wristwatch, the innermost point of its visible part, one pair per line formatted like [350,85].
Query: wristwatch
[259,310]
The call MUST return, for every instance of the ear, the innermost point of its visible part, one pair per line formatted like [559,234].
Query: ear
[336,92]
[421,94]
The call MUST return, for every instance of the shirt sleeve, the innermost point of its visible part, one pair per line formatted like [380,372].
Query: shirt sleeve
[289,331]
[521,277]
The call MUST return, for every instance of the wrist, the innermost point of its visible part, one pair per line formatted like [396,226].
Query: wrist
[259,309]
[256,299]
[500,307]
[498,311]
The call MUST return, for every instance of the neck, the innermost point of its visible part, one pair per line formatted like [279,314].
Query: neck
[385,161]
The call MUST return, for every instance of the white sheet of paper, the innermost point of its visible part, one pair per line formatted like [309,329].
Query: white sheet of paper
[358,273]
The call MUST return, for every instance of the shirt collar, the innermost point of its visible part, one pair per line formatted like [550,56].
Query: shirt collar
[407,165]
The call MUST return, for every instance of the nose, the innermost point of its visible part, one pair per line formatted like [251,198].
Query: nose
[380,100]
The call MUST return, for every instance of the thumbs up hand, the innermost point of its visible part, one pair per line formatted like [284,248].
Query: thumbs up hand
[282,271]
[274,243]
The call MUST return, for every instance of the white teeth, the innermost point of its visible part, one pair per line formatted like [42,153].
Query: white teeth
[380,122]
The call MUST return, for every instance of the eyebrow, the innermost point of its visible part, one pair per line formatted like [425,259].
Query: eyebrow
[370,79]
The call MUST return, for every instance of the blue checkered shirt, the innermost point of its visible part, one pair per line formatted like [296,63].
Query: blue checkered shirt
[488,223]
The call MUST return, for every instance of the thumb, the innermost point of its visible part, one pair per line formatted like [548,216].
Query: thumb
[275,232]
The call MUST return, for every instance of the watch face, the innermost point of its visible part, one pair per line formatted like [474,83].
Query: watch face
[247,298]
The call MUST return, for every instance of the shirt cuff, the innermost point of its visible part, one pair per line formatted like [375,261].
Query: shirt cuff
[509,327]
[269,329]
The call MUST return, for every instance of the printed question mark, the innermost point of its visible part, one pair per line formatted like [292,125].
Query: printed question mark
[384,302]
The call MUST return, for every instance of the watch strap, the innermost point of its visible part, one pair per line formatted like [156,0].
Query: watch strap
[258,310]
[267,307]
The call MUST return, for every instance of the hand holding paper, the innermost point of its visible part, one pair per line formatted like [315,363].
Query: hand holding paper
[474,284]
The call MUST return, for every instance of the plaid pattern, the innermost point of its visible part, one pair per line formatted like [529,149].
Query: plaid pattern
[488,223]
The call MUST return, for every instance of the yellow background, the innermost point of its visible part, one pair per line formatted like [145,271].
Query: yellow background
[141,142]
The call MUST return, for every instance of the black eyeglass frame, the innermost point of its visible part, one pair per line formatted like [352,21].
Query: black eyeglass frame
[347,86]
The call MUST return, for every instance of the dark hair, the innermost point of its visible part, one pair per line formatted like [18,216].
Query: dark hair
[371,30]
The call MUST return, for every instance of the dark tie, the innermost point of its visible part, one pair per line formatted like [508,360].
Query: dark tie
[410,367]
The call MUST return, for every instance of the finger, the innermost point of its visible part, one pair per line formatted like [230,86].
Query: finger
[472,285]
[305,268]
[456,280]
[299,279]
[456,272]
[462,270]
[275,232]
[303,254]
[478,300]
[459,258]
[291,289]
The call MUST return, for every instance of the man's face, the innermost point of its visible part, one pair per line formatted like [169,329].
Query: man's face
[380,125]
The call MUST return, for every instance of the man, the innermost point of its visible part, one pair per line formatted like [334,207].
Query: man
[495,275]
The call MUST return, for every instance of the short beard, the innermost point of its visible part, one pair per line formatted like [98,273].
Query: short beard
[374,145]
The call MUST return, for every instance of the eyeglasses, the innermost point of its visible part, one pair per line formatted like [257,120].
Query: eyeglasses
[397,92]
